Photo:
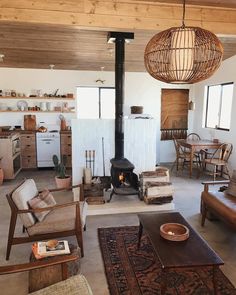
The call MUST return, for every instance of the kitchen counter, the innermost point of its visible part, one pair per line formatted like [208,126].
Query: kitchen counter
[21,131]
[9,134]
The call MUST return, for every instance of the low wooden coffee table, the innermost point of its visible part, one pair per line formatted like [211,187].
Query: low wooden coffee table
[194,252]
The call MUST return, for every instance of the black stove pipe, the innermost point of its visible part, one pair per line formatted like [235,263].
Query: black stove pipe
[119,38]
[119,101]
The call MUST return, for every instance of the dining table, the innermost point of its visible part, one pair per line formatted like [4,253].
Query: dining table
[197,145]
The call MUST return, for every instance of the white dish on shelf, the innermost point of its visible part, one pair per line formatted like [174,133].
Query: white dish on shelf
[3,107]
[22,105]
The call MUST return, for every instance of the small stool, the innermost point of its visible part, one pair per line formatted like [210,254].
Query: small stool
[44,277]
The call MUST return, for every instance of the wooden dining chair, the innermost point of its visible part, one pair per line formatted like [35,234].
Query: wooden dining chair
[218,159]
[183,156]
[197,153]
[193,136]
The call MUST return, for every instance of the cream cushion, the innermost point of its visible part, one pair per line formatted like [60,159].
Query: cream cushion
[58,220]
[21,196]
[231,190]
[76,193]
[76,285]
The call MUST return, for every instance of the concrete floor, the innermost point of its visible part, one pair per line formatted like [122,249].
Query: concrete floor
[187,202]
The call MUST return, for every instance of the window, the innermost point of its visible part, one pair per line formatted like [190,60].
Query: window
[96,102]
[218,108]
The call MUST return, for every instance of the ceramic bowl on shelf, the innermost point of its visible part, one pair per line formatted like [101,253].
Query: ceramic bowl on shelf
[3,107]
[22,105]
[174,232]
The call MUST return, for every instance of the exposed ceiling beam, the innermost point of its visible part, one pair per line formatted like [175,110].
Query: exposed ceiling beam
[118,15]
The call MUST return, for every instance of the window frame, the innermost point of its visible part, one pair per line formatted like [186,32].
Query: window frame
[220,107]
[99,96]
[99,100]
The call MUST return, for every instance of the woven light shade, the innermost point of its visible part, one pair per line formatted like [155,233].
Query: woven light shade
[183,55]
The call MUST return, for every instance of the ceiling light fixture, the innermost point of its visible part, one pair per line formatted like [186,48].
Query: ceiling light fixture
[99,80]
[2,57]
[183,55]
[110,51]
[51,67]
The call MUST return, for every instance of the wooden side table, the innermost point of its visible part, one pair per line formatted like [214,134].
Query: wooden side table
[44,277]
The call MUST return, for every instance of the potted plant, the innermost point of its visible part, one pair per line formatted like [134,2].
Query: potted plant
[62,180]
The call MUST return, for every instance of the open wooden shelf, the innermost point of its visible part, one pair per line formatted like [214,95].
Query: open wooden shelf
[37,98]
[18,111]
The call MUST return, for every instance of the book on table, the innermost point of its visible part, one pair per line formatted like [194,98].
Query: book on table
[42,249]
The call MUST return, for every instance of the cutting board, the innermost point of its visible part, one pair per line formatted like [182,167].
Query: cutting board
[29,122]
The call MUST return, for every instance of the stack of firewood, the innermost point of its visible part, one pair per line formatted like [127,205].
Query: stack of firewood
[156,187]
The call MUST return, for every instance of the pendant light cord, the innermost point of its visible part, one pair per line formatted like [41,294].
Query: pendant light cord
[183,18]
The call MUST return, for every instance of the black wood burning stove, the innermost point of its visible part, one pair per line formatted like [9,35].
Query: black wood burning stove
[123,179]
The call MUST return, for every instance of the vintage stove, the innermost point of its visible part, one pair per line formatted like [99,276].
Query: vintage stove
[123,179]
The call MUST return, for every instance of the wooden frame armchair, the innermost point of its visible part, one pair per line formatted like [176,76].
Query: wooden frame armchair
[219,203]
[63,219]
[76,284]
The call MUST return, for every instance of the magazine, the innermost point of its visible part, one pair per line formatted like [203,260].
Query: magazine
[41,250]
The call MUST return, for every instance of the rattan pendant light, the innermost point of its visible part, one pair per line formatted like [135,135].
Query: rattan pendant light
[183,55]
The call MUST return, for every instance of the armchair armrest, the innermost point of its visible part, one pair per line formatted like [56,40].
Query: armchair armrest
[9,269]
[69,189]
[63,189]
[48,208]
[207,183]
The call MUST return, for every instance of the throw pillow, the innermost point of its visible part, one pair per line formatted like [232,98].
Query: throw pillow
[232,185]
[43,200]
[47,197]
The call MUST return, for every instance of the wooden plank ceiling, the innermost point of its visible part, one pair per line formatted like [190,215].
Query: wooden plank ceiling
[214,3]
[38,44]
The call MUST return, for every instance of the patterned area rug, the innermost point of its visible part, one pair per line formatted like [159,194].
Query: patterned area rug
[134,272]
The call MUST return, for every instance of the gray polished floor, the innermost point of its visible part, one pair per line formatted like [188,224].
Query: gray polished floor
[187,202]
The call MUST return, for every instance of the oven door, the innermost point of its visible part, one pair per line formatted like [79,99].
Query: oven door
[46,148]
[15,146]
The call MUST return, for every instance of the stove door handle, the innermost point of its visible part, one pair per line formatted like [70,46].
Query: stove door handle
[47,139]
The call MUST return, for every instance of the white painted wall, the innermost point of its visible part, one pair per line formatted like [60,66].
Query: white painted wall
[139,144]
[226,73]
[140,89]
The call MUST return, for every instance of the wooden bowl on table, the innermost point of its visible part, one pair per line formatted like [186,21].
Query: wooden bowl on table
[52,244]
[174,232]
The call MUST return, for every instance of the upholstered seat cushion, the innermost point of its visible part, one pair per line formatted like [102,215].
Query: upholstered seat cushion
[76,285]
[58,220]
[222,203]
[26,191]
[232,185]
